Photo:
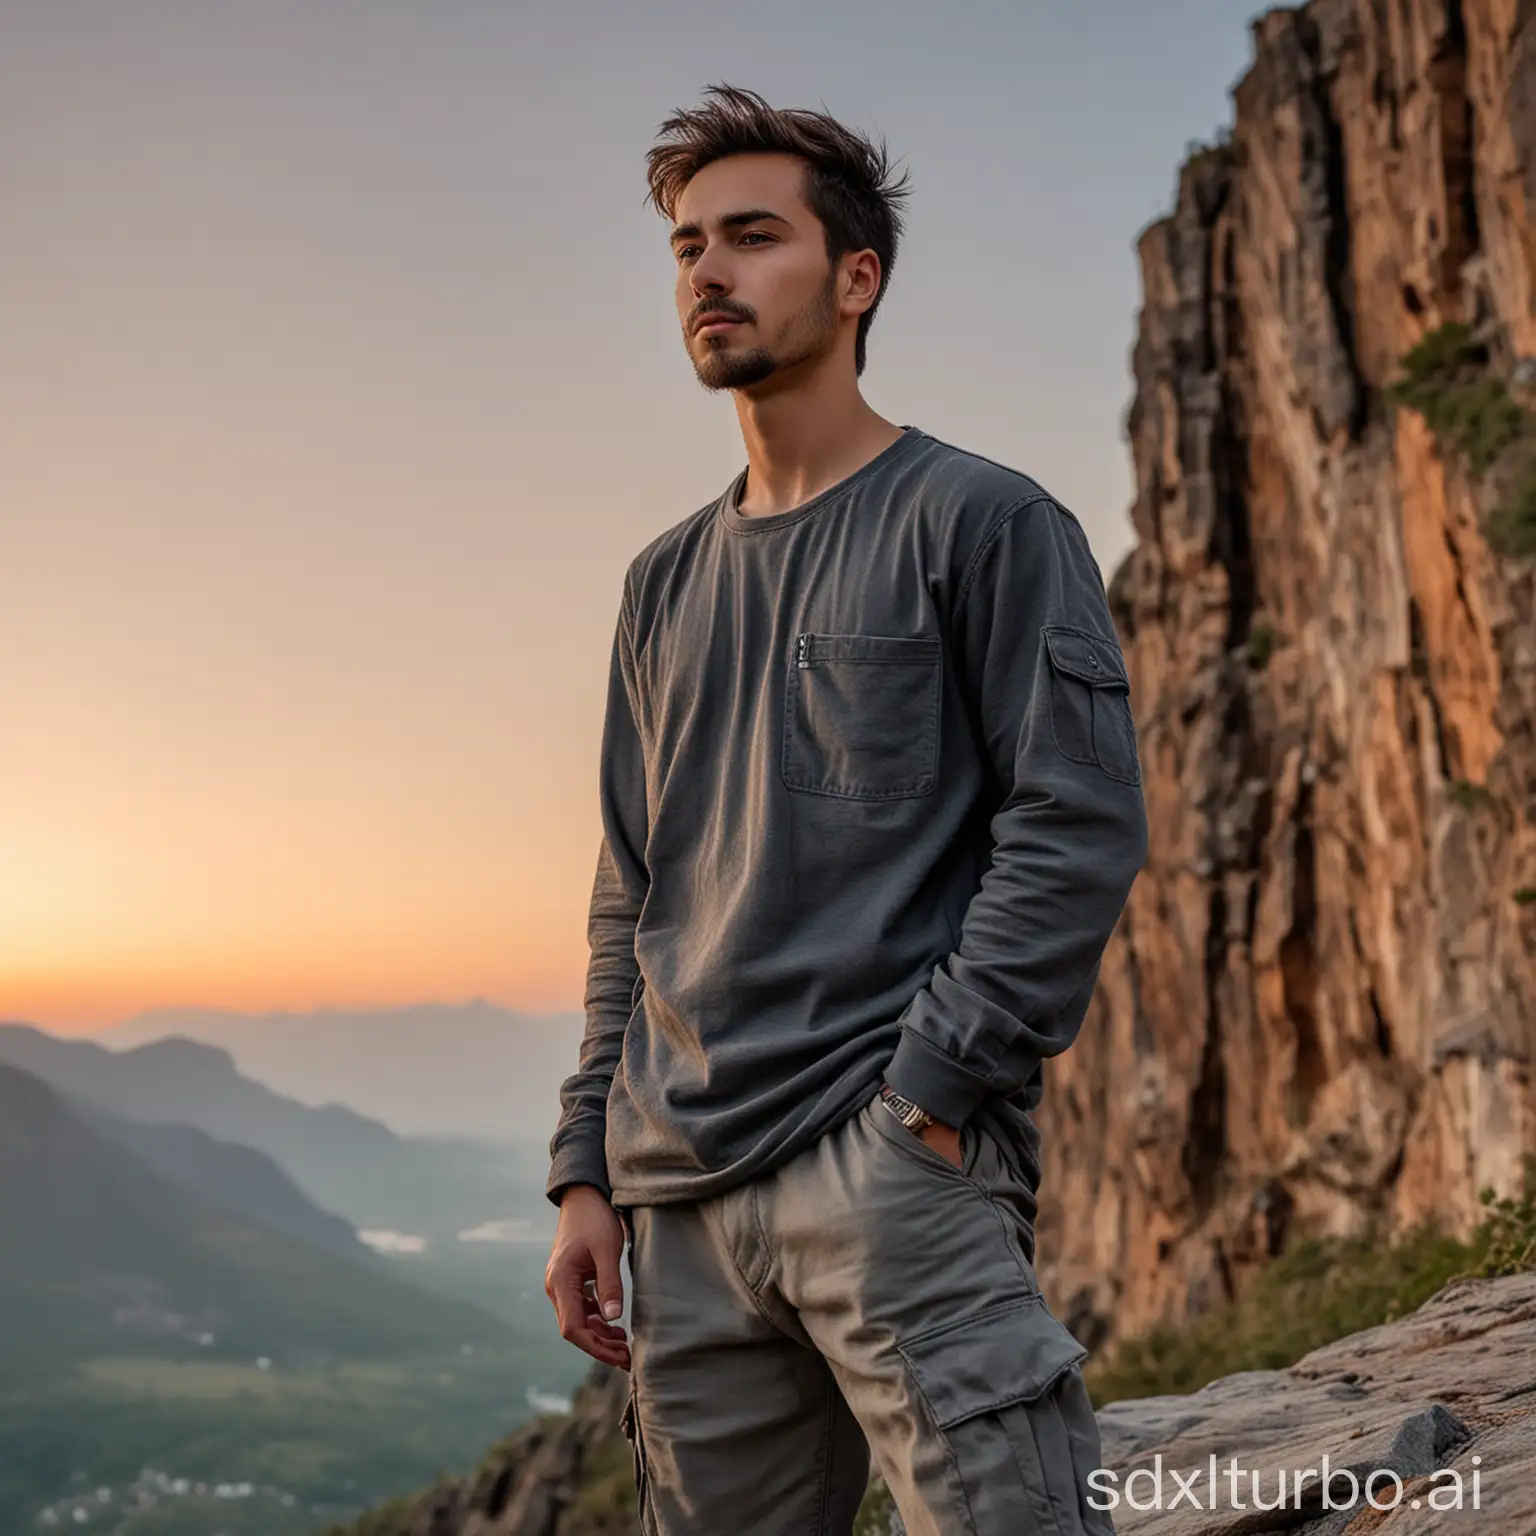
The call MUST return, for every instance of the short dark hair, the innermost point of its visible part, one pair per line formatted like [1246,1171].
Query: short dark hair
[849,183]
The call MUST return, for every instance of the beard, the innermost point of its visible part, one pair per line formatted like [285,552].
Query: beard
[805,336]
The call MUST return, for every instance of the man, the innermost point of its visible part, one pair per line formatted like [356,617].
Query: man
[871,807]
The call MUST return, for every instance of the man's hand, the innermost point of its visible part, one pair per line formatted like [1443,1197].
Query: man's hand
[944,1139]
[589,1240]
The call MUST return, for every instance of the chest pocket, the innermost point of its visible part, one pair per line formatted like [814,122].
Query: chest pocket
[861,715]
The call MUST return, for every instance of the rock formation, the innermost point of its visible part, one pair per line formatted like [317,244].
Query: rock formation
[1413,1409]
[1318,1007]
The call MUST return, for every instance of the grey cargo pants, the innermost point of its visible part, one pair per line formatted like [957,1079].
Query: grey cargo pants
[866,1298]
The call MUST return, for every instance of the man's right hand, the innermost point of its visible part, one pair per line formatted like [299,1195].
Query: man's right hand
[589,1240]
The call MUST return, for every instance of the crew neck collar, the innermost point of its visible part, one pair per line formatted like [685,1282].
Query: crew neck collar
[737,523]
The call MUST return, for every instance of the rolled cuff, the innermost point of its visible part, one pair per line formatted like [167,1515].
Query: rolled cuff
[576,1163]
[921,1072]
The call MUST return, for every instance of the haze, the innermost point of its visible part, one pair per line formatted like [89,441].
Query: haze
[342,381]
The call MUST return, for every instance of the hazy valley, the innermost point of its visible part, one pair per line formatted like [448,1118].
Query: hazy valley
[208,1284]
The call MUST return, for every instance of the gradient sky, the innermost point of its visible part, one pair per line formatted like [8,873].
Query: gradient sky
[341,380]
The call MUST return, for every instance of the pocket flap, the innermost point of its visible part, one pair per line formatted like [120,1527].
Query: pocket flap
[1089,658]
[1010,1354]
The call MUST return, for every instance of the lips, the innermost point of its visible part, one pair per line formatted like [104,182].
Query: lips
[706,321]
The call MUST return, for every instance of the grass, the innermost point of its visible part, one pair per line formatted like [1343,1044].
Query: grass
[874,1516]
[1512,524]
[608,1484]
[1471,796]
[1223,149]
[1319,1290]
[1447,379]
[1262,640]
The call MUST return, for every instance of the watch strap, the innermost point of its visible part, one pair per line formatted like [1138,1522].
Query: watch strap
[911,1115]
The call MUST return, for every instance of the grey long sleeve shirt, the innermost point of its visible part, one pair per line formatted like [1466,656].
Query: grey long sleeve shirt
[871,807]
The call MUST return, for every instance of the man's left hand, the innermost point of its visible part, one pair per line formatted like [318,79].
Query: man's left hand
[944,1139]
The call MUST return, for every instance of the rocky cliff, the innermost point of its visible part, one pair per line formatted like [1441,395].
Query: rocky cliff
[1432,1416]
[1411,1411]
[1319,1005]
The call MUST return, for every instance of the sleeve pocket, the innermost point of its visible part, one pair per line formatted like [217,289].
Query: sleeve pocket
[1091,702]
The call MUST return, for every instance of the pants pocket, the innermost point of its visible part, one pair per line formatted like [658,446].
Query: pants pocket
[912,1146]
[1007,1399]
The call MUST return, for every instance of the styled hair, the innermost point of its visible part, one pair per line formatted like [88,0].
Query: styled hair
[849,183]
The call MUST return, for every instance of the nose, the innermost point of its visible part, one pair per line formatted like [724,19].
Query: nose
[707,277]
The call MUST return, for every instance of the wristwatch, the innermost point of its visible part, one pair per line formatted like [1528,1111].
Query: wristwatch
[910,1114]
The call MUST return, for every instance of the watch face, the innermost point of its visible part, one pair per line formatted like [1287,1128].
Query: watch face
[911,1115]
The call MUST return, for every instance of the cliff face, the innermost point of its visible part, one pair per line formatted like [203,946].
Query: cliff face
[1320,1002]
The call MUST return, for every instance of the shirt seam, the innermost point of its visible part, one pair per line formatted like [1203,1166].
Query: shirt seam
[990,538]
[628,616]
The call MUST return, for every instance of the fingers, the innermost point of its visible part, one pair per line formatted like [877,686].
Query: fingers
[581,1322]
[594,1312]
[610,1286]
[609,1337]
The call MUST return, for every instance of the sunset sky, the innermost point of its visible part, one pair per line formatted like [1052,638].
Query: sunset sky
[341,380]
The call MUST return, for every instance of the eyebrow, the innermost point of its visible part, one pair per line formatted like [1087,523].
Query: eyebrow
[728,221]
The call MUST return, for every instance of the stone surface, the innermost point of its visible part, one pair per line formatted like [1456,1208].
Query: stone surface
[1318,1006]
[1451,1386]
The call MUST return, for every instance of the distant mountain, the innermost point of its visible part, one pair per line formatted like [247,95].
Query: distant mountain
[239,1178]
[101,1251]
[343,1161]
[474,1069]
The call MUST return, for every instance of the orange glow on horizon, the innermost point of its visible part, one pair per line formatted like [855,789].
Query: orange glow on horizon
[67,1003]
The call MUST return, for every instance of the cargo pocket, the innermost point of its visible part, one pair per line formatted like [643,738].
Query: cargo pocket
[861,715]
[1001,1389]
[630,1424]
[1091,702]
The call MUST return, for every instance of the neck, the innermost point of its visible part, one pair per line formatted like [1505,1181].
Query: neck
[804,437]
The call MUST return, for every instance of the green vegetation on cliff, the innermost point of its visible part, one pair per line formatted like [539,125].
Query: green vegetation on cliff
[1315,1292]
[1448,379]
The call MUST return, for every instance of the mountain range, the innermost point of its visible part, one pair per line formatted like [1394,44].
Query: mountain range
[102,1251]
[346,1163]
[241,1178]
[474,1069]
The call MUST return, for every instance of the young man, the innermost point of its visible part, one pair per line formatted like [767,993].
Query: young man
[871,807]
